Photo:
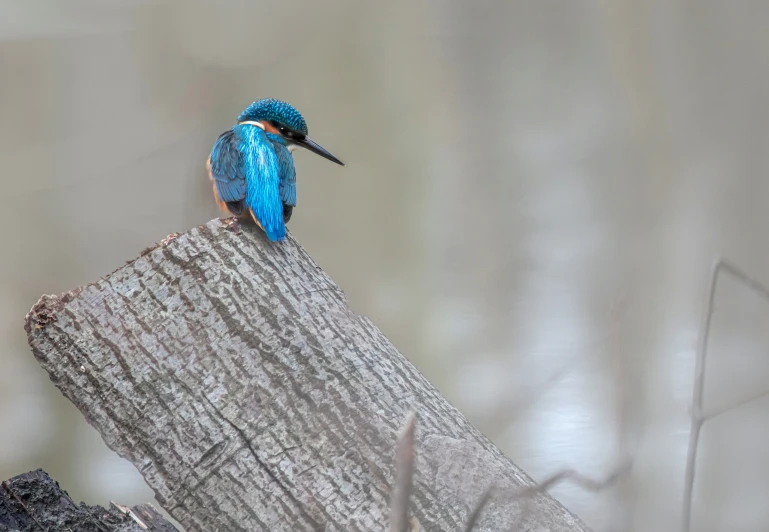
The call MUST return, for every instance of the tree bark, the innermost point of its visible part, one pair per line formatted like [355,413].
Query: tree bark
[232,373]
[34,502]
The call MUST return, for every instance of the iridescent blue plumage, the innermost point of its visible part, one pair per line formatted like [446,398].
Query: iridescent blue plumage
[252,167]
[262,180]
[274,110]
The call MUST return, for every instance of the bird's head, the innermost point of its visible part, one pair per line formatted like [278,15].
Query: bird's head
[281,119]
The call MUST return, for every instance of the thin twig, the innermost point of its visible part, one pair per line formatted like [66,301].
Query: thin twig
[699,374]
[698,417]
[707,416]
[404,464]
[513,494]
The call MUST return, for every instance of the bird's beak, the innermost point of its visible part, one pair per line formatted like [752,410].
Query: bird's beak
[314,147]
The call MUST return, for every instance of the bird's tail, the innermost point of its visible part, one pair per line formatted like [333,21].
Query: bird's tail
[275,235]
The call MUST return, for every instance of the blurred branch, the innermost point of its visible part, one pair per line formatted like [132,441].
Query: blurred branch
[515,406]
[699,417]
[232,373]
[399,506]
[513,495]
[706,416]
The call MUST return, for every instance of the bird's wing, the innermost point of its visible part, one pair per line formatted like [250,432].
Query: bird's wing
[228,170]
[287,178]
[262,181]
[287,175]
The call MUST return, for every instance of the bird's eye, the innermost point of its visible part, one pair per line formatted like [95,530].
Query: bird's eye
[282,129]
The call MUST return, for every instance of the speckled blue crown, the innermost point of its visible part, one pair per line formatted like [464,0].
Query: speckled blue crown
[274,111]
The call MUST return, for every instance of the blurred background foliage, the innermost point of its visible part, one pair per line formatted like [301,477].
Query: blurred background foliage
[533,194]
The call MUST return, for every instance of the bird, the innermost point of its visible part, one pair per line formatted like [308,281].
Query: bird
[251,165]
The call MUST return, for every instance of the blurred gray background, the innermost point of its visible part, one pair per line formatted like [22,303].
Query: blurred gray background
[533,195]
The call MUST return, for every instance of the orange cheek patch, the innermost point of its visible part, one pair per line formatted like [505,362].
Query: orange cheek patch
[269,128]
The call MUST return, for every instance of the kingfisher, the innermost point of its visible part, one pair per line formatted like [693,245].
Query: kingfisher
[252,166]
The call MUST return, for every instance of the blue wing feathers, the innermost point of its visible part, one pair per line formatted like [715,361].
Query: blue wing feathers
[262,178]
[227,168]
[287,170]
[230,191]
[287,175]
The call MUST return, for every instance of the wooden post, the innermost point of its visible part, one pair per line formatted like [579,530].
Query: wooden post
[231,372]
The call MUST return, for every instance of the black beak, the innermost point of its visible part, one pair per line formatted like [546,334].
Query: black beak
[314,147]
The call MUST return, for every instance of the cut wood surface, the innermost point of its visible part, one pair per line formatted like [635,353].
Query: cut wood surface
[34,502]
[232,373]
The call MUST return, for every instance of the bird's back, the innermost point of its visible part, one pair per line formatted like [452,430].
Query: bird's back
[246,171]
[262,180]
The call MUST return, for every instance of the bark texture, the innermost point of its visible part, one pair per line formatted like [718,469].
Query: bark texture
[232,373]
[34,502]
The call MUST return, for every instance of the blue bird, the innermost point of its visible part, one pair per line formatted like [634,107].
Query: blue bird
[252,167]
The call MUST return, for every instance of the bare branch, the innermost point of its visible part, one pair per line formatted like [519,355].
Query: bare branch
[698,417]
[706,416]
[516,494]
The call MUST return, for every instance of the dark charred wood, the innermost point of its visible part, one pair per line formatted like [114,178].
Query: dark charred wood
[34,502]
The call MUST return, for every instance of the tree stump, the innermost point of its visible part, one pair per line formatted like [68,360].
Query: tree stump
[232,373]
